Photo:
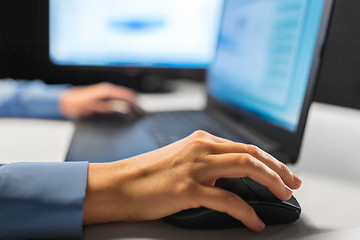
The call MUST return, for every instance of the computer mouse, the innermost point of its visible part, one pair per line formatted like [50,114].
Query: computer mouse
[123,107]
[270,209]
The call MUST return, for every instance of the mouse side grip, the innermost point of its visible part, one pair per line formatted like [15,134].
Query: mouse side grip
[204,218]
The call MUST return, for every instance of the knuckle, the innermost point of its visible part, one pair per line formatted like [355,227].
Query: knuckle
[283,168]
[198,144]
[231,200]
[275,177]
[106,87]
[247,159]
[200,134]
[254,150]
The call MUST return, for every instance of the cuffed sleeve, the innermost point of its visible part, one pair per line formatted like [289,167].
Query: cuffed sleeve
[30,99]
[42,200]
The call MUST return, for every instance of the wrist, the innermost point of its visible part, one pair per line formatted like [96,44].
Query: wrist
[64,107]
[100,201]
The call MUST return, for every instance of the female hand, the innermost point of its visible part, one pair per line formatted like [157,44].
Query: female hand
[101,98]
[182,176]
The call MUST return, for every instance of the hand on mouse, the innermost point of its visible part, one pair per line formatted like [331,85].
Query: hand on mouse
[182,176]
[100,98]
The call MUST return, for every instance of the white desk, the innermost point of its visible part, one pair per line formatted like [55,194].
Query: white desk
[34,140]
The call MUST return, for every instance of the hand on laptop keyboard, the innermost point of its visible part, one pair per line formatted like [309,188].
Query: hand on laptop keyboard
[181,176]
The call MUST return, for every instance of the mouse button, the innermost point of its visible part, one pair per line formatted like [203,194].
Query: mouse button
[261,191]
[237,186]
[292,203]
[266,196]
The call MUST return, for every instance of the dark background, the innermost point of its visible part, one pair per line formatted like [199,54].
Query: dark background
[24,54]
[339,76]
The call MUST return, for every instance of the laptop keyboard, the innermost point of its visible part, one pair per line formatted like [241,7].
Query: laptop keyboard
[168,127]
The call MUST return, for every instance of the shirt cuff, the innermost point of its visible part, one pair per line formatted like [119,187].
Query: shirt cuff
[42,200]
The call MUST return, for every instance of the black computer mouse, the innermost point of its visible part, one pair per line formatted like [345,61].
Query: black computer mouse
[270,209]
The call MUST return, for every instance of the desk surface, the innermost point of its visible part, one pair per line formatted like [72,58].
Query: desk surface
[34,140]
[329,164]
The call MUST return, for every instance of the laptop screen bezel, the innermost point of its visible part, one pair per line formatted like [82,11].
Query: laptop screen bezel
[289,142]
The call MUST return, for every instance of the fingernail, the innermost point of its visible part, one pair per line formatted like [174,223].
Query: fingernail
[261,225]
[297,180]
[288,191]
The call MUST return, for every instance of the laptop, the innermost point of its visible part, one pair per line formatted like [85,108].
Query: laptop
[259,87]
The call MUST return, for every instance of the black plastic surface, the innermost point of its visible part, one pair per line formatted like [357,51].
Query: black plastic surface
[270,209]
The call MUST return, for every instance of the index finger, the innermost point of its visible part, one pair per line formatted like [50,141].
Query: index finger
[280,168]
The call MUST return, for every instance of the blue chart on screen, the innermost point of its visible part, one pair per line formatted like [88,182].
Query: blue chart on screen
[145,33]
[265,55]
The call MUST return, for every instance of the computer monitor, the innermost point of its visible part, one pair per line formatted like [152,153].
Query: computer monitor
[135,33]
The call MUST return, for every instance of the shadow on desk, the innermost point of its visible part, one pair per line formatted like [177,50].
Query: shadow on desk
[161,230]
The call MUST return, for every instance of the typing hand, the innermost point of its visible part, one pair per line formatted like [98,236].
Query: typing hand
[100,98]
[182,176]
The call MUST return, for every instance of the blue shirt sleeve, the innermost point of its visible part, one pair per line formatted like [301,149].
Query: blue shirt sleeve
[32,99]
[42,200]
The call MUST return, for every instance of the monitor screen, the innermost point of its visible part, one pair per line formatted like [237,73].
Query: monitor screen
[264,57]
[142,33]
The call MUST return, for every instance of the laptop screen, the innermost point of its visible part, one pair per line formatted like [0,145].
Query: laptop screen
[142,33]
[264,57]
